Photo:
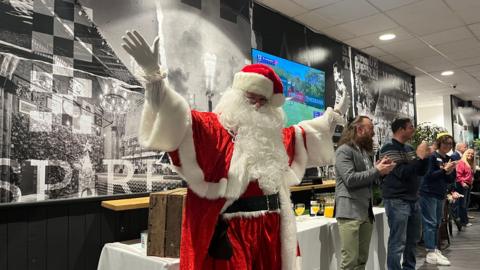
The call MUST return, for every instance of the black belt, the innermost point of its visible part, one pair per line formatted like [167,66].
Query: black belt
[256,203]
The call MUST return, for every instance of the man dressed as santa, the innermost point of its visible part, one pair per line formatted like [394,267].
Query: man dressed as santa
[238,162]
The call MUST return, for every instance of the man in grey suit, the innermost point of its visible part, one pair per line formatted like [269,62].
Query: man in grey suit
[353,192]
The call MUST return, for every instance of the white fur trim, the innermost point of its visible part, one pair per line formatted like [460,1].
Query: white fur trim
[253,82]
[236,186]
[277,100]
[164,129]
[319,133]
[288,231]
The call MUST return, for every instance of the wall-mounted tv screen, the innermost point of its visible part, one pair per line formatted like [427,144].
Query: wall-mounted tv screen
[303,87]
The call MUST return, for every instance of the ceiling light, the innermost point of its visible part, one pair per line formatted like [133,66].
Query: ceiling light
[447,73]
[388,36]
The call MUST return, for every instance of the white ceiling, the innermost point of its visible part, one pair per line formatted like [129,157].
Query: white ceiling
[432,36]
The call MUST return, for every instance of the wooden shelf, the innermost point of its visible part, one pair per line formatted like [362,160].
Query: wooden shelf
[127,204]
[144,202]
[325,184]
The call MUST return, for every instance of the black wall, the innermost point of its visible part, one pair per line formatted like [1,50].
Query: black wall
[67,235]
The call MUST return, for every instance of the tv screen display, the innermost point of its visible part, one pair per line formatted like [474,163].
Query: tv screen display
[303,87]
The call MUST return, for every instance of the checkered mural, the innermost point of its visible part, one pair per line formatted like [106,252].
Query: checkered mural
[59,138]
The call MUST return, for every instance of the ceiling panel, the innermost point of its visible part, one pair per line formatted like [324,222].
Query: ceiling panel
[287,7]
[358,43]
[374,51]
[450,35]
[475,28]
[389,4]
[389,58]
[345,11]
[408,49]
[467,10]
[432,63]
[313,21]
[400,33]
[368,25]
[414,17]
[472,69]
[404,66]
[338,32]
[313,4]
[467,62]
[459,45]
[463,54]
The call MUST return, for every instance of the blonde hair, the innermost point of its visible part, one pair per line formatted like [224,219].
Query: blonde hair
[471,163]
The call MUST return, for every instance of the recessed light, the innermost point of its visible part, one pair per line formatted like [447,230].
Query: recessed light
[447,73]
[388,36]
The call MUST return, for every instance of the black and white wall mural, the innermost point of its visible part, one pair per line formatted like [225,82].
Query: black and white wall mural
[382,93]
[70,103]
[465,120]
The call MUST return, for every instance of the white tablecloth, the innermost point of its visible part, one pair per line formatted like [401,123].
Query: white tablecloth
[319,242]
[317,236]
[129,256]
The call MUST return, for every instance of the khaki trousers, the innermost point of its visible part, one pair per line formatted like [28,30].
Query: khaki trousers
[354,242]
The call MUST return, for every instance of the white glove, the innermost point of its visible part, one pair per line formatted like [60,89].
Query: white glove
[146,56]
[343,104]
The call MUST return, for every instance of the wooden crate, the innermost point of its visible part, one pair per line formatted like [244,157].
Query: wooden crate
[165,223]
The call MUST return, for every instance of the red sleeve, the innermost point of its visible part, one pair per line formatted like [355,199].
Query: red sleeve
[289,142]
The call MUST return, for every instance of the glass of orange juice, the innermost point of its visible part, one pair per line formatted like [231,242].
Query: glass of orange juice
[299,209]
[314,208]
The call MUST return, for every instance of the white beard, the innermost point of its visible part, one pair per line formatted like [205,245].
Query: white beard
[259,152]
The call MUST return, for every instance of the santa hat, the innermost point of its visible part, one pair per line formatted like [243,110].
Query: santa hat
[260,79]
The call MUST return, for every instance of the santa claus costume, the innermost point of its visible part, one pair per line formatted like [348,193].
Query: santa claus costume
[239,163]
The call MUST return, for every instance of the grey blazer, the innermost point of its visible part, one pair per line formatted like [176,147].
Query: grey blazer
[355,176]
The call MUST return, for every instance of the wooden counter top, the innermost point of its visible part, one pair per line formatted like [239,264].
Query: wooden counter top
[144,202]
[127,204]
[325,184]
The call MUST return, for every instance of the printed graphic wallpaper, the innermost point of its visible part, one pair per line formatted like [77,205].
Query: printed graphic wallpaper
[70,103]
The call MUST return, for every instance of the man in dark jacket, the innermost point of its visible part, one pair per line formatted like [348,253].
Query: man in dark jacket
[400,193]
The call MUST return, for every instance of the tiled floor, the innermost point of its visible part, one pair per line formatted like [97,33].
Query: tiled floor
[464,251]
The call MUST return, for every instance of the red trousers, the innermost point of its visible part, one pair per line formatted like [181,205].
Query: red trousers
[255,242]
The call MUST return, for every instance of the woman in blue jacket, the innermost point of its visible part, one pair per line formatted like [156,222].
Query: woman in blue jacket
[440,174]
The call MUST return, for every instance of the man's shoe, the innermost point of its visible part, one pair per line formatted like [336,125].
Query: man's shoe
[470,217]
[433,258]
[468,224]
[439,254]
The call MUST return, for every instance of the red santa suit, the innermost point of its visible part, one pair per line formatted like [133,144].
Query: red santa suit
[203,150]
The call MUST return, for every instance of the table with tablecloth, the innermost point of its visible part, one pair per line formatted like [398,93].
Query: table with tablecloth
[319,242]
[318,239]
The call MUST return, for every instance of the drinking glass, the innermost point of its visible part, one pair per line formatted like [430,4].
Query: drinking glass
[299,209]
[314,208]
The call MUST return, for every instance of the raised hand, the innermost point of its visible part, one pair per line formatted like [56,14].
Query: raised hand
[422,150]
[344,103]
[146,56]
